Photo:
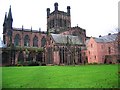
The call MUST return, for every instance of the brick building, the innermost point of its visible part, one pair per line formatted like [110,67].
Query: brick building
[104,49]
[60,44]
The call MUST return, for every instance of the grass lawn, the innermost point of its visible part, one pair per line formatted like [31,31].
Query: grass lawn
[88,76]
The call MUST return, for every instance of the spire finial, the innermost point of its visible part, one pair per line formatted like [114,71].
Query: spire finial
[5,19]
[68,10]
[77,25]
[10,19]
[39,29]
[31,28]
[6,13]
[22,27]
[48,12]
[56,6]
[10,14]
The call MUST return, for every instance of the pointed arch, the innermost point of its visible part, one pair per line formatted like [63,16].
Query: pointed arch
[26,40]
[43,42]
[17,40]
[35,41]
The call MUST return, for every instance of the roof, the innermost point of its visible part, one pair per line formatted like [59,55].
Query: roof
[28,30]
[107,38]
[99,40]
[64,39]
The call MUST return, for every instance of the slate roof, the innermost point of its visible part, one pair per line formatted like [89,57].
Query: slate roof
[107,38]
[63,39]
[98,40]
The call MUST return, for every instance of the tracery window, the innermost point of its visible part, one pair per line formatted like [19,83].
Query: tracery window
[43,42]
[35,41]
[17,40]
[26,40]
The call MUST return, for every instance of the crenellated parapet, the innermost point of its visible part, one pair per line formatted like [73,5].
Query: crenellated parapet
[58,20]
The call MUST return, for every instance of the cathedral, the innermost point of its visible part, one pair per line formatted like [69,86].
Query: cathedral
[60,44]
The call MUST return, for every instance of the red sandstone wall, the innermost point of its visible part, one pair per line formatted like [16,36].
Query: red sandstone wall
[56,57]
[92,51]
[31,36]
[100,50]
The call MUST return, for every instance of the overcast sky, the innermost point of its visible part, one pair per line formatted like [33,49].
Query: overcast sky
[98,17]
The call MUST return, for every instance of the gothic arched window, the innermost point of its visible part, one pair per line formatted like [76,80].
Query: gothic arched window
[26,40]
[17,40]
[65,23]
[60,22]
[43,42]
[35,41]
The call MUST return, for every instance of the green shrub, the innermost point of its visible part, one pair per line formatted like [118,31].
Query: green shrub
[94,63]
[20,63]
[33,63]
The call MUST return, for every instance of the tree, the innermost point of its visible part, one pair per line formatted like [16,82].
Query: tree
[117,44]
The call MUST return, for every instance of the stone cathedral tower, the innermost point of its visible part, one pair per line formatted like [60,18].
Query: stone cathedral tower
[58,21]
[7,28]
